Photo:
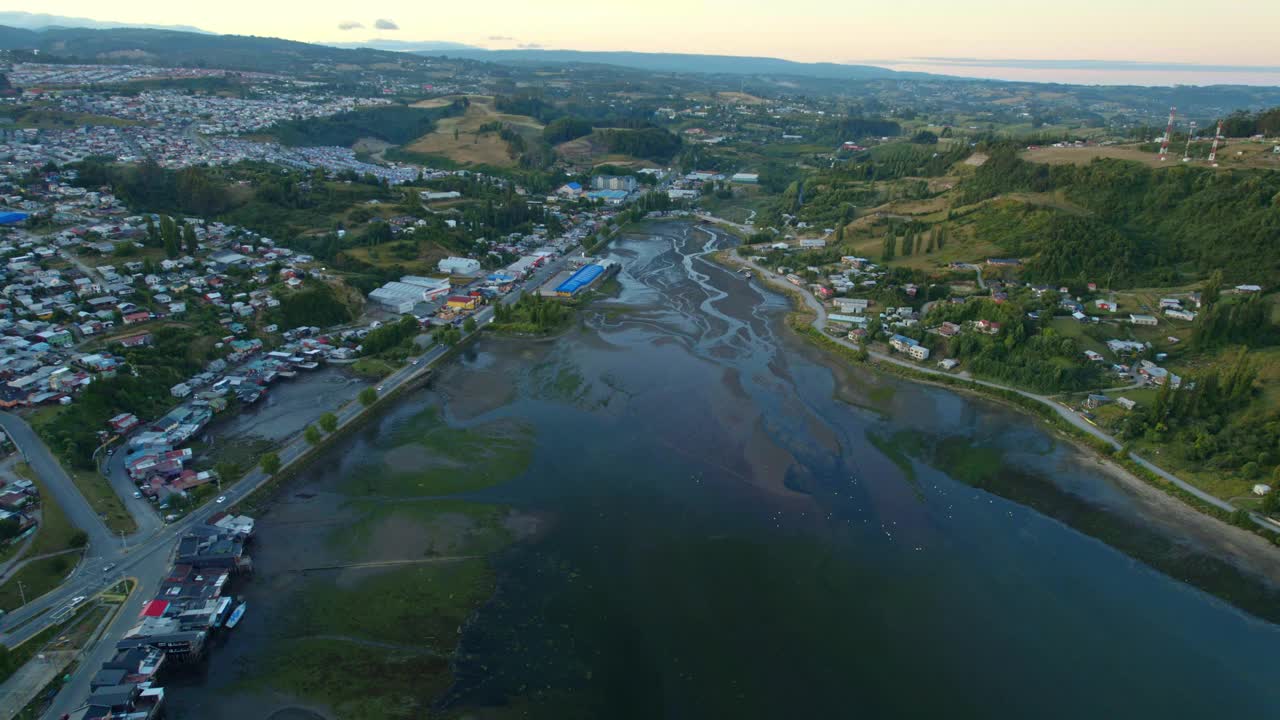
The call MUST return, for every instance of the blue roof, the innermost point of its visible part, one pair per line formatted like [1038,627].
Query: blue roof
[9,218]
[905,339]
[580,279]
[574,186]
[608,194]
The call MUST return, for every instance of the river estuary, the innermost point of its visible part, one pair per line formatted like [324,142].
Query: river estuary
[680,509]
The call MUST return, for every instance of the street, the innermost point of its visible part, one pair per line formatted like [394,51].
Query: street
[145,556]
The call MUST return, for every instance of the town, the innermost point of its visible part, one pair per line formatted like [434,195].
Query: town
[223,256]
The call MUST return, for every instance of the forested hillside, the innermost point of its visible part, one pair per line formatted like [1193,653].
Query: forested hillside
[394,124]
[1143,225]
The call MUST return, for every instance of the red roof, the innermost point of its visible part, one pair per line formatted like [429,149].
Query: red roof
[155,608]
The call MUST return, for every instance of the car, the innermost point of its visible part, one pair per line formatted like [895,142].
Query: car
[78,599]
[379,388]
[137,494]
[416,361]
[111,451]
[222,499]
[108,567]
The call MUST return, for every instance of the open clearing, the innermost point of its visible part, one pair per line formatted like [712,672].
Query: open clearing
[1233,154]
[458,139]
[590,152]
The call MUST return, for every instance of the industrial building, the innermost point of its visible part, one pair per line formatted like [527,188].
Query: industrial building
[402,296]
[459,266]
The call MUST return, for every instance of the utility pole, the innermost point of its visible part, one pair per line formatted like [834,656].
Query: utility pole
[124,542]
[1168,134]
[23,592]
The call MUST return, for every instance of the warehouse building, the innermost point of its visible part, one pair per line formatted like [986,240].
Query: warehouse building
[459,266]
[584,278]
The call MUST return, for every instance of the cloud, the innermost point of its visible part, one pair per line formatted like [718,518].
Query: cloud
[385,24]
[529,46]
[501,38]
[350,25]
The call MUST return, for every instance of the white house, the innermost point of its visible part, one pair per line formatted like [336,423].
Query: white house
[1143,319]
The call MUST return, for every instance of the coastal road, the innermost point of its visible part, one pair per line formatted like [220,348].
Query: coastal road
[148,560]
[1066,413]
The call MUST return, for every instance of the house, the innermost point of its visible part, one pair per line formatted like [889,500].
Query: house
[137,317]
[137,340]
[949,364]
[1093,356]
[949,329]
[909,346]
[1180,314]
[1147,320]
[122,423]
[1261,489]
[1093,402]
[988,327]
[1126,403]
[1106,305]
[180,390]
[461,302]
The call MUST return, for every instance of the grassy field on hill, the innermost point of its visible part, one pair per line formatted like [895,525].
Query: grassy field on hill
[462,140]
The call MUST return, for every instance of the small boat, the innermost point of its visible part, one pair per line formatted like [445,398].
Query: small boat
[236,615]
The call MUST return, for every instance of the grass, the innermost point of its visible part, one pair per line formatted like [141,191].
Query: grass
[449,459]
[1072,328]
[464,527]
[420,605]
[380,648]
[77,627]
[372,367]
[103,499]
[468,147]
[359,682]
[37,577]
[56,532]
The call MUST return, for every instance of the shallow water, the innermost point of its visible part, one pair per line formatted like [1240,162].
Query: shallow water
[718,535]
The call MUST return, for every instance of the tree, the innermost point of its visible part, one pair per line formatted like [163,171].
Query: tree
[368,396]
[469,325]
[79,539]
[840,233]
[329,422]
[312,434]
[270,463]
[189,238]
[169,236]
[1212,288]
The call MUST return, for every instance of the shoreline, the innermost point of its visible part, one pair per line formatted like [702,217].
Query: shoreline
[1248,549]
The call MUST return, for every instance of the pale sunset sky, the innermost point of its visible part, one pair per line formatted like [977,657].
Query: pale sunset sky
[1226,32]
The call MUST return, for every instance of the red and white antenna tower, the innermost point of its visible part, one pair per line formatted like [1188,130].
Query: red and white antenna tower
[1213,151]
[1186,152]
[1168,133]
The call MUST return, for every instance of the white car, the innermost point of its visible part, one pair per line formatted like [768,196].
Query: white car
[137,494]
[222,499]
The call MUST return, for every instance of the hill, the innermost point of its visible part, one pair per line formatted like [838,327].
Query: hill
[479,136]
[40,21]
[681,63]
[188,49]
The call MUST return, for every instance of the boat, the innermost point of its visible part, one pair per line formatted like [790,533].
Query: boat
[236,615]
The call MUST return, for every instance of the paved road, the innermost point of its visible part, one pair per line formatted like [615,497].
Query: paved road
[149,558]
[1071,416]
[56,480]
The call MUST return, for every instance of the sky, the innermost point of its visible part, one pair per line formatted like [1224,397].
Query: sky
[1223,33]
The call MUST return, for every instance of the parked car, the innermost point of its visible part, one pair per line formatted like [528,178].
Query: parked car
[222,499]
